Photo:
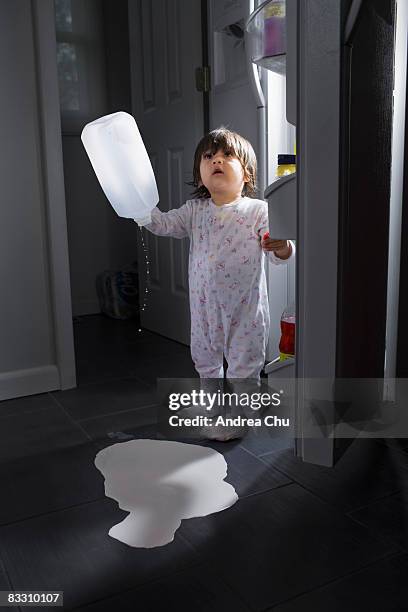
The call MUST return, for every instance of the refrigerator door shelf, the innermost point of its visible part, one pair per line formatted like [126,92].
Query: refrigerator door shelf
[275,63]
[271,42]
[280,369]
[266,27]
[281,197]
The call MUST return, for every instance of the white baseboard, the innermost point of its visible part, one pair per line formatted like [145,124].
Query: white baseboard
[19,383]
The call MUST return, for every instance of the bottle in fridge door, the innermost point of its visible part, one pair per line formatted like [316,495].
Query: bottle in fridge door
[288,333]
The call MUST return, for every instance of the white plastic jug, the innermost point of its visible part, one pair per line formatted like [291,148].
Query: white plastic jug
[121,163]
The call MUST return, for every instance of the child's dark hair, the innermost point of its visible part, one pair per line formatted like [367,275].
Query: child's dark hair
[228,141]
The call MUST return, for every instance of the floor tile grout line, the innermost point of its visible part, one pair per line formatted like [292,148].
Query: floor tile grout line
[230,587]
[72,420]
[130,376]
[164,344]
[396,453]
[293,481]
[101,416]
[402,451]
[105,381]
[253,454]
[333,580]
[276,451]
[374,501]
[379,537]
[330,504]
[286,484]
[139,379]
[33,517]
[4,569]
[278,470]
[12,588]
[19,414]
[248,604]
[345,512]
[141,586]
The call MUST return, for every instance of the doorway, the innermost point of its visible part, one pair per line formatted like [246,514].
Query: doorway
[99,48]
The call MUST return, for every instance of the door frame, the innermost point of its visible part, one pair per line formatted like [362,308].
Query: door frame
[54,189]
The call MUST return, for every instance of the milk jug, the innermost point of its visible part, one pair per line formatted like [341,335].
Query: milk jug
[122,166]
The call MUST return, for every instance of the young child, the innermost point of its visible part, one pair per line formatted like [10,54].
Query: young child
[227,281]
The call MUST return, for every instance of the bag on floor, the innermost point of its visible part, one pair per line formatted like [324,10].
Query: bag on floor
[118,292]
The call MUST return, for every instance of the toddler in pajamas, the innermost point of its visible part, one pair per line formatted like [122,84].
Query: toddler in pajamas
[227,281]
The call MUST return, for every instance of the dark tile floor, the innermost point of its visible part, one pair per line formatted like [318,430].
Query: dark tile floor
[300,538]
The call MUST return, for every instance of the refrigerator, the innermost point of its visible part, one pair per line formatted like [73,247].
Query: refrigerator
[343,74]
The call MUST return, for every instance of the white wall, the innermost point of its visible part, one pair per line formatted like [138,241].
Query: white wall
[34,356]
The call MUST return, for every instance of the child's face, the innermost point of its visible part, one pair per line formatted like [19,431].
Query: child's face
[222,173]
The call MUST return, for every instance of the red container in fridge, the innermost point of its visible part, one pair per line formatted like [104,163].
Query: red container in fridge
[288,333]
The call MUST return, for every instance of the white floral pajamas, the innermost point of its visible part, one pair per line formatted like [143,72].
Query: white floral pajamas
[227,280]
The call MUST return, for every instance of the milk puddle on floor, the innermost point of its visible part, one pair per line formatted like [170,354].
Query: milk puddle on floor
[160,483]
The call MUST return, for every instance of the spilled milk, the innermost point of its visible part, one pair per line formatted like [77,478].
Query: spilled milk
[160,483]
